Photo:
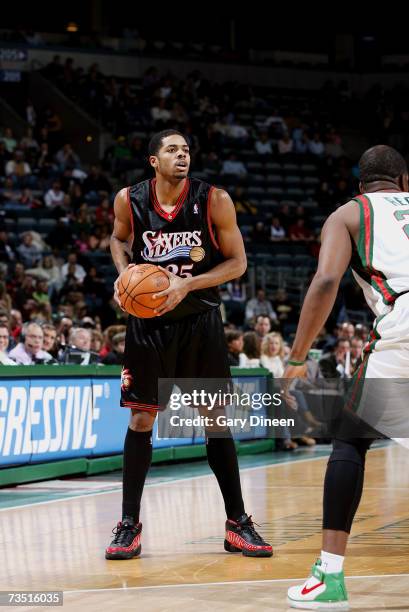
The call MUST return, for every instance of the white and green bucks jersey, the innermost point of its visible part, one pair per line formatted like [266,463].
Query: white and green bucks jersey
[381,263]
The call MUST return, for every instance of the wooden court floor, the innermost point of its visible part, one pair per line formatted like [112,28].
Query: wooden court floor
[60,545]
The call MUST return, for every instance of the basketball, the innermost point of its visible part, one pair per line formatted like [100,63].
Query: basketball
[136,286]
[197,253]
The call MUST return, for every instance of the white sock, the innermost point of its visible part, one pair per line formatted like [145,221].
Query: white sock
[330,563]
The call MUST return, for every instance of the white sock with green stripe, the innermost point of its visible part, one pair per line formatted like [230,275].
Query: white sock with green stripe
[330,563]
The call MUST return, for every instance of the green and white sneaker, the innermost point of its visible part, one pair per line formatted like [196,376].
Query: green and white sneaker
[321,591]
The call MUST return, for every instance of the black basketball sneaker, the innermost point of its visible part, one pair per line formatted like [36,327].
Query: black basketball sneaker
[242,537]
[127,541]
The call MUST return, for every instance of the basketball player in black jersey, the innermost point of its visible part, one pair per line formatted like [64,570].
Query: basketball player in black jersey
[189,229]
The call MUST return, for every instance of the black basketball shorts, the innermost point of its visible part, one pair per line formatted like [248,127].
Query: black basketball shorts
[193,347]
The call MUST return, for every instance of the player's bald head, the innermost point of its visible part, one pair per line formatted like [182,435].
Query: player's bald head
[381,163]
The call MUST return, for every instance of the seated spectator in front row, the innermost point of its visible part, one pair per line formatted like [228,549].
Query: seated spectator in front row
[50,339]
[29,350]
[234,340]
[272,354]
[250,357]
[78,351]
[4,343]
[338,363]
[116,356]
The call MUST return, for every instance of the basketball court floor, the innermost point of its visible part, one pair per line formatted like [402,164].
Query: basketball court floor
[53,536]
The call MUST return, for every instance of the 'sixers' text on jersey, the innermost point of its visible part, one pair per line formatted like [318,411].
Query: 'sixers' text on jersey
[182,240]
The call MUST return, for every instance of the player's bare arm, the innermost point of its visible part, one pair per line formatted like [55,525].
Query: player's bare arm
[230,241]
[334,258]
[120,236]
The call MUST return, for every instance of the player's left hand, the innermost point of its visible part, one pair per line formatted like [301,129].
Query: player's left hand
[290,373]
[177,290]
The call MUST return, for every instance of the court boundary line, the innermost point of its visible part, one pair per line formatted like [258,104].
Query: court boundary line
[216,584]
[173,481]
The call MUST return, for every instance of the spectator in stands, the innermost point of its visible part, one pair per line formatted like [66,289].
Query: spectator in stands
[277,232]
[30,350]
[115,357]
[104,213]
[302,145]
[28,142]
[40,295]
[299,232]
[5,318]
[285,217]
[285,144]
[241,204]
[28,252]
[96,184]
[259,305]
[333,145]
[76,269]
[67,159]
[4,345]
[48,270]
[337,364]
[109,333]
[262,325]
[357,345]
[7,253]
[50,339]
[346,331]
[361,331]
[234,340]
[80,337]
[9,141]
[259,233]
[17,168]
[276,124]
[316,146]
[45,163]
[28,200]
[263,145]
[78,349]
[64,327]
[237,132]
[160,114]
[250,357]
[283,306]
[272,354]
[233,167]
[55,199]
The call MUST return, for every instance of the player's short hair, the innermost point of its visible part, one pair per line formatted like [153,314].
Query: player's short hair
[381,163]
[156,141]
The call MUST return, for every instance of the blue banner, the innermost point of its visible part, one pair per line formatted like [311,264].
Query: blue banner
[52,418]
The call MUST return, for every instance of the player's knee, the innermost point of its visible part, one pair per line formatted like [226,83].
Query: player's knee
[141,421]
[353,450]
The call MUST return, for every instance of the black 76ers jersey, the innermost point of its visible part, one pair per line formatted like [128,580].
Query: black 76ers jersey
[182,241]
